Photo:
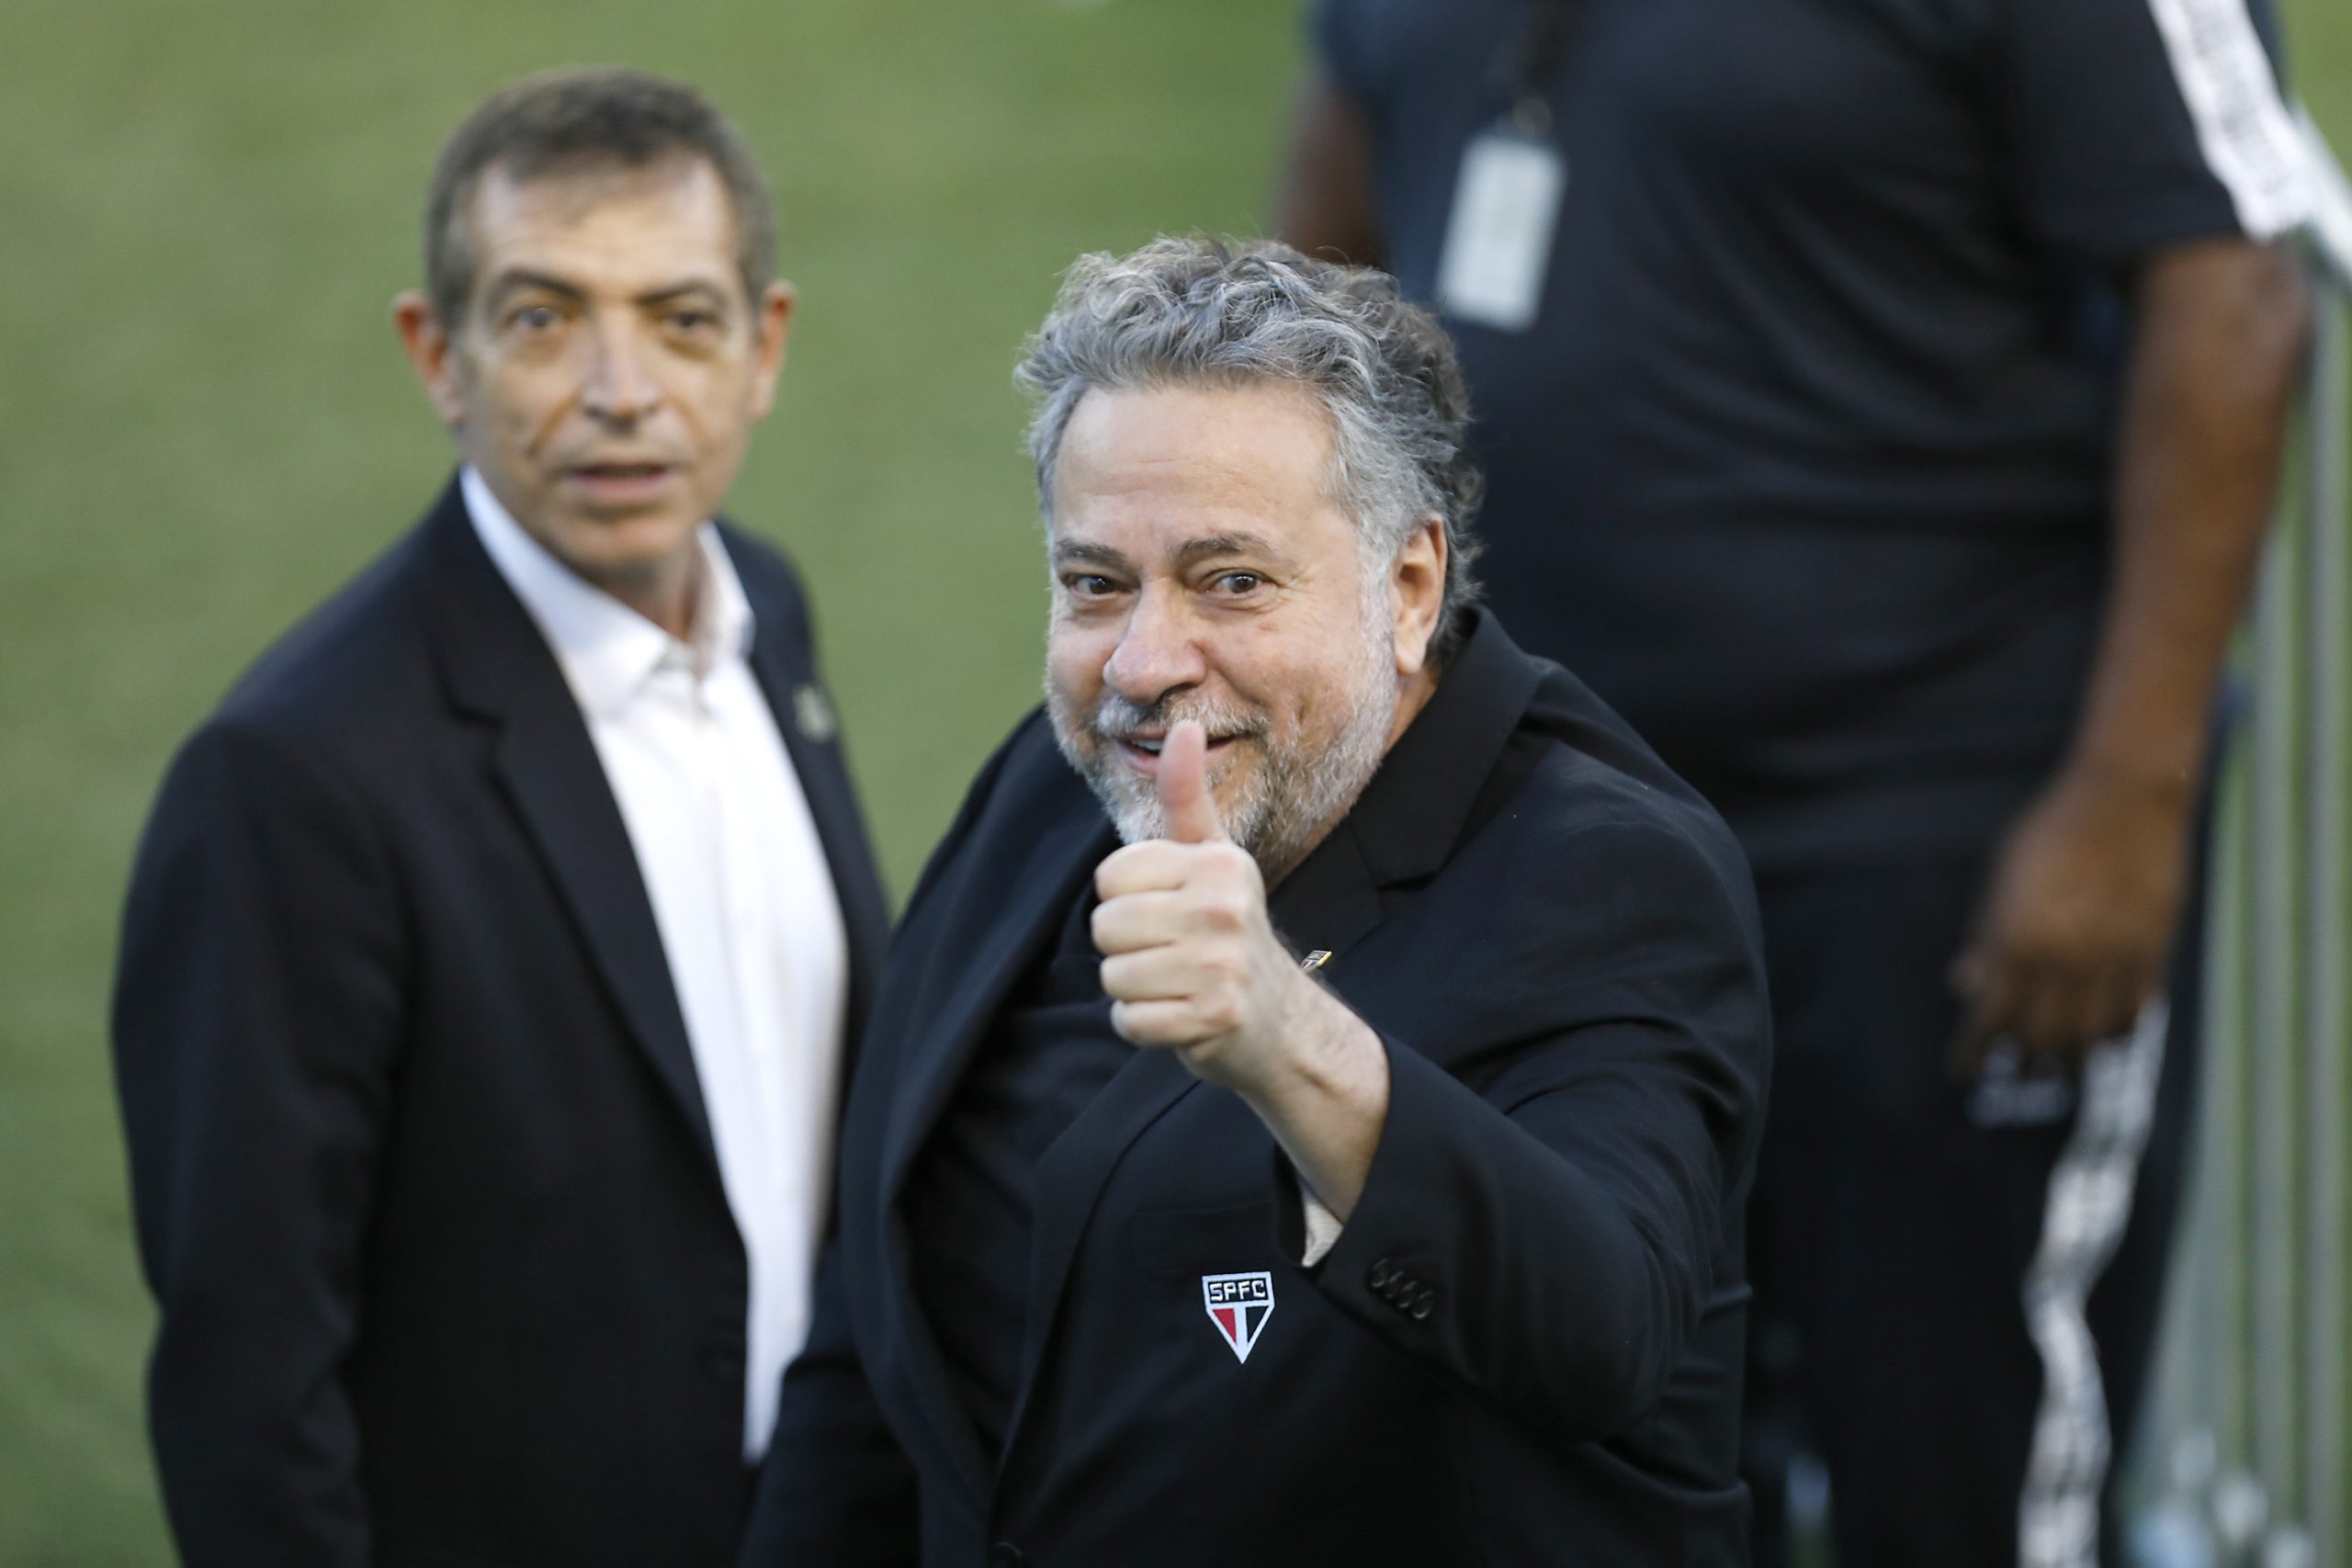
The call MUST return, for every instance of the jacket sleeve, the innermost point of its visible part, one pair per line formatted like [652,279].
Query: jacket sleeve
[836,1488]
[256,1018]
[1548,1237]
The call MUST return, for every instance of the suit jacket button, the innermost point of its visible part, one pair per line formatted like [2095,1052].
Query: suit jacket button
[1381,1274]
[1004,1554]
[1424,1303]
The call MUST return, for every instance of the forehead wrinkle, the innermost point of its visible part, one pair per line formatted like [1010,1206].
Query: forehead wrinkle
[548,229]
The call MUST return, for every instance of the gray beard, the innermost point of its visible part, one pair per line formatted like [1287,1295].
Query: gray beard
[1288,802]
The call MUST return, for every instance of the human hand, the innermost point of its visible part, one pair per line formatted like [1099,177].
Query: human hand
[1191,961]
[2077,920]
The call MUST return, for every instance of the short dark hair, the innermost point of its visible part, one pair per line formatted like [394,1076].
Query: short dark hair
[586,119]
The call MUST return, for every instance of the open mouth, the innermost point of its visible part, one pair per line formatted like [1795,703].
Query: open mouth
[1143,750]
[621,481]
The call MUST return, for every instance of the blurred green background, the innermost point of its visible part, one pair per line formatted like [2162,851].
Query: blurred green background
[205,426]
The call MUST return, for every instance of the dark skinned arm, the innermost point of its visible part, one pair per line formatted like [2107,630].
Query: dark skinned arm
[2078,918]
[1326,207]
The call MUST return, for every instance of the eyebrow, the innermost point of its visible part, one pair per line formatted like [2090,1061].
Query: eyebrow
[1209,547]
[1191,553]
[515,279]
[1076,553]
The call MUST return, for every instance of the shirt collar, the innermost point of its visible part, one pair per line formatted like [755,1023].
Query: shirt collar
[607,651]
[1411,816]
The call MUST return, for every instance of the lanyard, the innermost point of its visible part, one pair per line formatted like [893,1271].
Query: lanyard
[1533,60]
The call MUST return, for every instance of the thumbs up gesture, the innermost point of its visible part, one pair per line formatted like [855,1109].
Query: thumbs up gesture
[1190,959]
[1190,962]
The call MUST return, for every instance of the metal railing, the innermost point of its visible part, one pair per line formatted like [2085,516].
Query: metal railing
[2247,1461]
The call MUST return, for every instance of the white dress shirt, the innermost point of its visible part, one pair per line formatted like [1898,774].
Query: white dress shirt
[741,893]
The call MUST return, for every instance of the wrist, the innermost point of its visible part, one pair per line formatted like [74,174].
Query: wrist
[2148,784]
[1322,1055]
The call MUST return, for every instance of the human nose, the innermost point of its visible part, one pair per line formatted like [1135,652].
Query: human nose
[1158,653]
[621,387]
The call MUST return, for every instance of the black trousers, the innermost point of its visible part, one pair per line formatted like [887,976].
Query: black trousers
[1896,1216]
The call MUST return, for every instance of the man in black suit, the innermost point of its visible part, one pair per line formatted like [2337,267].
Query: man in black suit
[491,952]
[1349,1168]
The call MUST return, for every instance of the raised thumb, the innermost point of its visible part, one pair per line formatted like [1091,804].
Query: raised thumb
[1184,800]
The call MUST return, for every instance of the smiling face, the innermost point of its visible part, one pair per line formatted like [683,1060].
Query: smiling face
[1201,569]
[608,368]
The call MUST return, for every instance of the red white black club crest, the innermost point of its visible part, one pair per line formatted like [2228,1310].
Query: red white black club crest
[1239,1305]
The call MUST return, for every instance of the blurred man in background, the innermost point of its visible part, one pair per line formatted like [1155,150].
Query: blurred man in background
[1349,1168]
[1882,404]
[491,952]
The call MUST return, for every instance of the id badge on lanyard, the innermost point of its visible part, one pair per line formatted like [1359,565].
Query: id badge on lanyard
[1506,200]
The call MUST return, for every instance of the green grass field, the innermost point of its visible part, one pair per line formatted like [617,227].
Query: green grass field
[204,426]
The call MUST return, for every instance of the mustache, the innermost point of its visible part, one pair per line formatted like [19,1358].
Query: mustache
[1116,719]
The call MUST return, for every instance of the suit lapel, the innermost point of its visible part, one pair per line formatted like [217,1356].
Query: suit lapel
[1007,916]
[1003,915]
[804,716]
[499,669]
[1071,1180]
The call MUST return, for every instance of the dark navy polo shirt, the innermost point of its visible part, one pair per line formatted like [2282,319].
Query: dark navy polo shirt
[1805,463]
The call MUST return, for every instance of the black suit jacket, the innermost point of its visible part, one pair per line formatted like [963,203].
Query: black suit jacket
[423,1182]
[1526,1346]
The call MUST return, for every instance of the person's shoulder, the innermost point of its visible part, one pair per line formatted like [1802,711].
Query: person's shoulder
[1024,792]
[1027,784]
[356,664]
[1376,48]
[1595,886]
[1596,793]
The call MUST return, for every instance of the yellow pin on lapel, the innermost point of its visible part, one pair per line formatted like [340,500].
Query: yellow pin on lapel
[1316,960]
[813,714]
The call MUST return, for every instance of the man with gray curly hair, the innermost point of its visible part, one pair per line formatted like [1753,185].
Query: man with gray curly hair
[1311,1101]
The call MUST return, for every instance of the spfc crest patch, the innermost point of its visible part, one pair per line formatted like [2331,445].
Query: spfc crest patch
[1239,1305]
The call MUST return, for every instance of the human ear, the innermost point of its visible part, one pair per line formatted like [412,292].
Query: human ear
[771,323]
[427,342]
[1417,589]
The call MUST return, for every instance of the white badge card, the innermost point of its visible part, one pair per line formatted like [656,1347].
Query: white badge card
[1498,243]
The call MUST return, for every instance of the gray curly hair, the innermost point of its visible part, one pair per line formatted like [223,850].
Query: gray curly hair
[1202,311]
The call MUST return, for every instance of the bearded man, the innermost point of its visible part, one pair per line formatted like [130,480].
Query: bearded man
[1348,1168]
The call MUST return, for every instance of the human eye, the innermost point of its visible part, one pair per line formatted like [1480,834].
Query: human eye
[533,320]
[1237,584]
[1088,586]
[693,320]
